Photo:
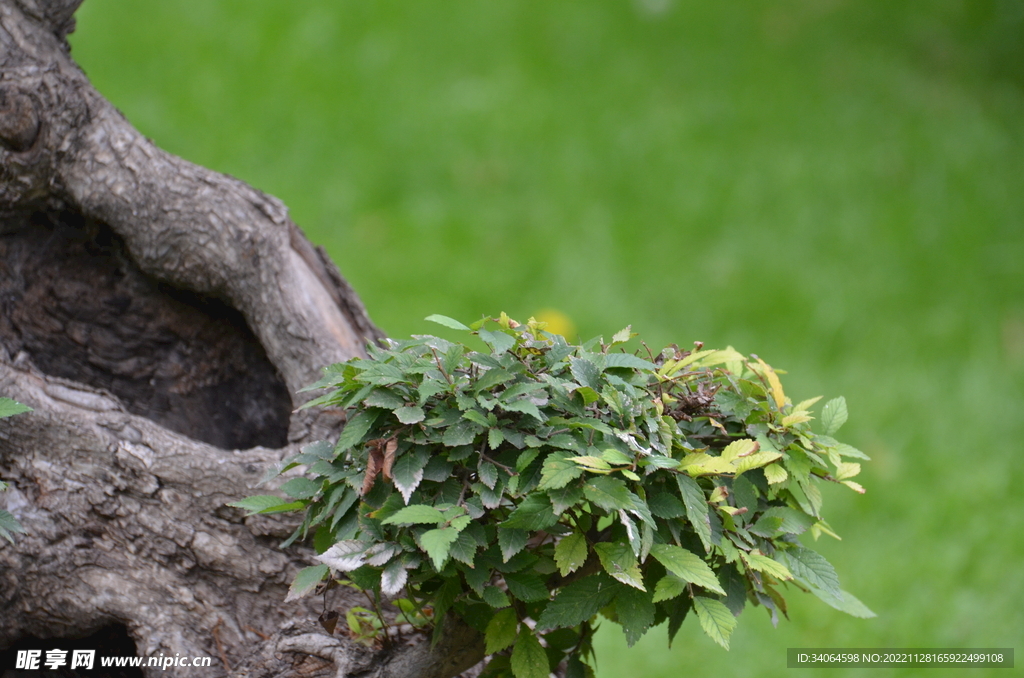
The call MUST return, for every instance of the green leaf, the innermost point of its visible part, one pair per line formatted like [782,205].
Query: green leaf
[578,602]
[524,405]
[413,414]
[407,473]
[461,433]
[571,553]
[628,360]
[497,599]
[394,577]
[665,505]
[844,602]
[9,526]
[501,630]
[300,488]
[811,568]
[265,503]
[511,542]
[565,498]
[535,513]
[586,373]
[9,408]
[437,543]
[618,560]
[450,323]
[608,493]
[623,335]
[794,521]
[306,580]
[558,471]
[416,514]
[833,415]
[686,565]
[527,586]
[529,660]
[696,508]
[355,429]
[635,612]
[758,561]
[669,587]
[497,340]
[715,619]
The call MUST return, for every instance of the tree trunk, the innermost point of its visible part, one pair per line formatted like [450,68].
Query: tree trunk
[160,319]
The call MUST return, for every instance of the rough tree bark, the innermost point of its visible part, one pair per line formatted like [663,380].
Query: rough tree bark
[160,318]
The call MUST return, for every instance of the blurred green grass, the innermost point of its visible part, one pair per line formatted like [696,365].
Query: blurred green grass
[838,187]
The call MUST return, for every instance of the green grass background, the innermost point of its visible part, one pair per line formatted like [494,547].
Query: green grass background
[835,186]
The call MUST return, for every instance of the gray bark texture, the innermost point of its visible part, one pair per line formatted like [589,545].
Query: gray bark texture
[159,318]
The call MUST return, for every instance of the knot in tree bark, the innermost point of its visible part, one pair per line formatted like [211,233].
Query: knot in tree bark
[19,120]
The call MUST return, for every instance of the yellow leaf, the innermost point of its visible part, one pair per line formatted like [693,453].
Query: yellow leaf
[775,474]
[739,449]
[701,464]
[806,404]
[798,417]
[718,494]
[757,460]
[773,380]
[856,487]
[847,470]
[712,358]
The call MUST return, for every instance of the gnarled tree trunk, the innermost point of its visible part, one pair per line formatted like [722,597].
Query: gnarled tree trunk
[160,319]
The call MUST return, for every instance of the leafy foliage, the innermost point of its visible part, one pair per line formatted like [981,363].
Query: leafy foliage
[8,525]
[542,481]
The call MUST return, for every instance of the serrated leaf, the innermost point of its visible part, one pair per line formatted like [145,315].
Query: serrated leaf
[669,587]
[497,599]
[810,567]
[608,493]
[511,542]
[627,360]
[623,335]
[619,561]
[9,408]
[846,470]
[9,526]
[778,395]
[793,520]
[565,498]
[494,438]
[524,405]
[833,415]
[300,488]
[534,513]
[527,586]
[850,451]
[415,514]
[635,611]
[558,471]
[460,433]
[355,429]
[450,323]
[666,505]
[756,560]
[571,553]
[345,556]
[407,473]
[501,630]
[715,619]
[529,660]
[437,543]
[586,373]
[696,508]
[497,340]
[305,581]
[394,577]
[259,503]
[687,565]
[578,602]
[845,602]
[739,449]
[487,472]
[775,474]
[413,414]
